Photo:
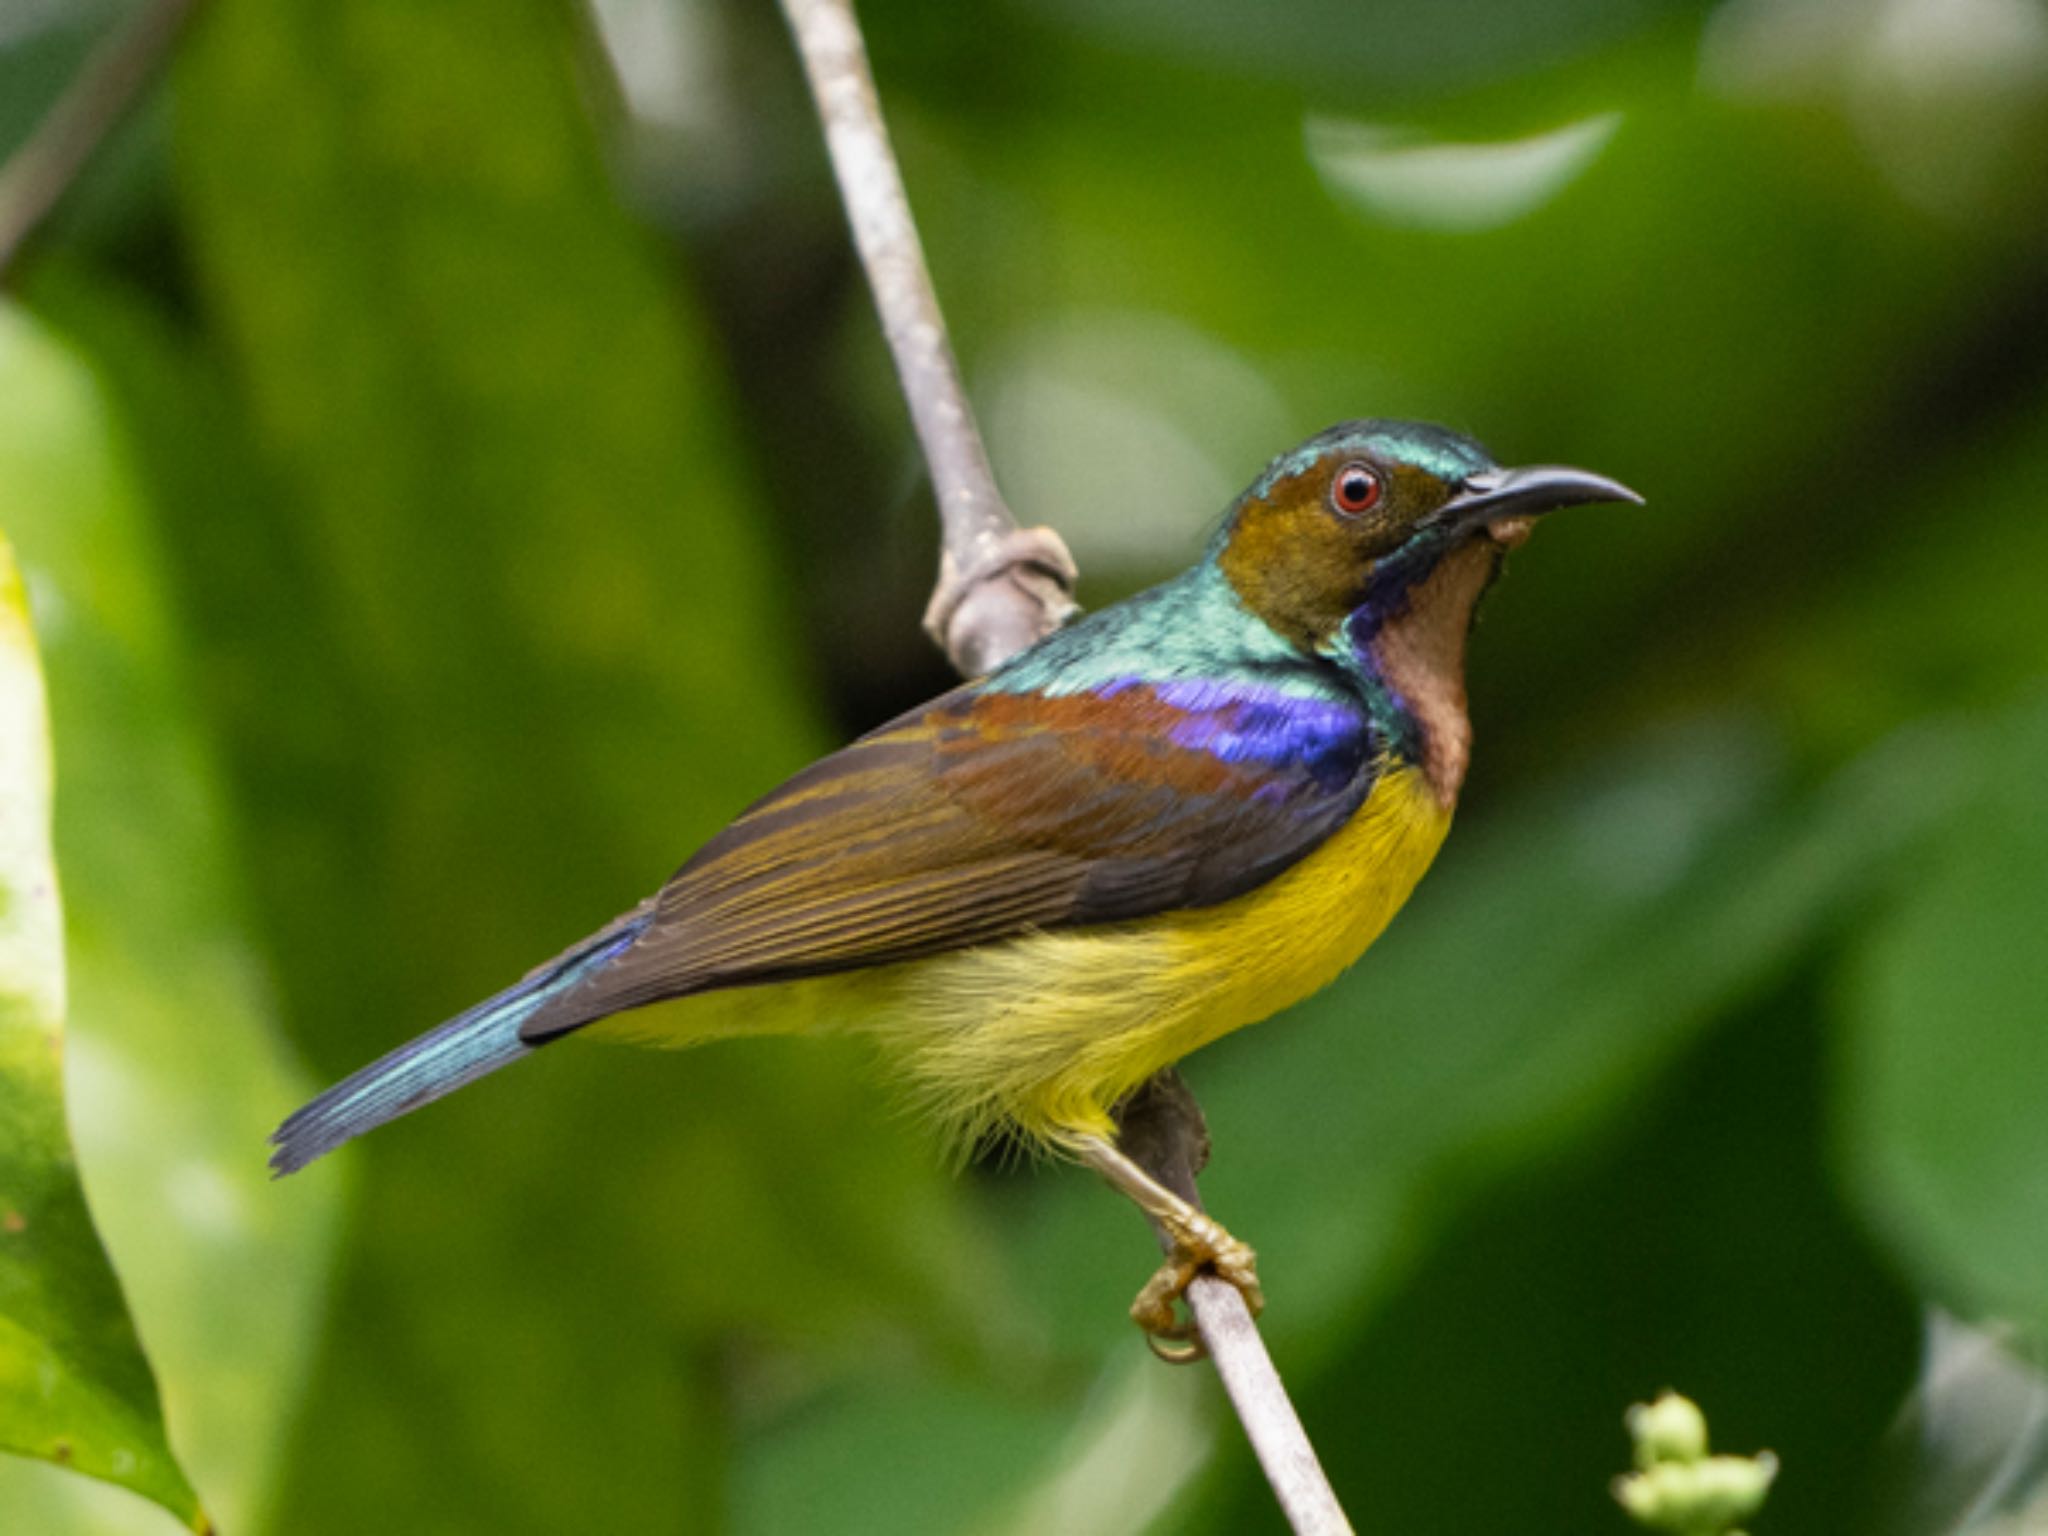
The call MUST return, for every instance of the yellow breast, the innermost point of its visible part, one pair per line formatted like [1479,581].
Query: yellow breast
[1043,1034]
[1046,1033]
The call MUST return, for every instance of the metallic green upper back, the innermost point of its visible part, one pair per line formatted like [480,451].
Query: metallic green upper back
[1194,625]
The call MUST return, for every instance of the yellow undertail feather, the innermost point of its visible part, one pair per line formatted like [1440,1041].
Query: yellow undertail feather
[1043,1034]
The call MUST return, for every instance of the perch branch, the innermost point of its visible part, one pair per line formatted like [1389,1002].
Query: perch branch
[111,81]
[1000,588]
[1161,1128]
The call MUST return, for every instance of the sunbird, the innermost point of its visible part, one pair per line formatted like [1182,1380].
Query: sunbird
[1174,817]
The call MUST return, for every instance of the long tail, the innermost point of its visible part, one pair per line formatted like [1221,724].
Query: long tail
[443,1059]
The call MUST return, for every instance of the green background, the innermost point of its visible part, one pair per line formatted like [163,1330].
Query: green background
[455,467]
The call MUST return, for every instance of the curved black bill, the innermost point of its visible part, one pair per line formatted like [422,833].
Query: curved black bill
[1499,493]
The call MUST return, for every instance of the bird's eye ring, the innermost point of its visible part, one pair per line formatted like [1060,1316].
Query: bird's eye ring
[1355,489]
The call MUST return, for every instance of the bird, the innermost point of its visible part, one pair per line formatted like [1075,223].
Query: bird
[1172,818]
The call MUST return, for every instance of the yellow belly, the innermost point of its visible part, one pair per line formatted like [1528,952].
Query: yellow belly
[1044,1033]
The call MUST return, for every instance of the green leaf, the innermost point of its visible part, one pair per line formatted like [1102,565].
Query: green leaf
[1944,1051]
[1696,1237]
[75,1388]
[499,643]
[176,1067]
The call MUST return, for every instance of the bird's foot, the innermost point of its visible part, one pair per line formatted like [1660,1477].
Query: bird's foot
[1199,1244]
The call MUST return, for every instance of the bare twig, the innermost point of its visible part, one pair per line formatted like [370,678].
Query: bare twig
[1162,1129]
[1000,588]
[112,80]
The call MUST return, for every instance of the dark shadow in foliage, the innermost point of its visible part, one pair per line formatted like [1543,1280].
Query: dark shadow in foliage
[1702,1248]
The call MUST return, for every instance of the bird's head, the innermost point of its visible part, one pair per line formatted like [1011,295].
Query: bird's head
[1364,521]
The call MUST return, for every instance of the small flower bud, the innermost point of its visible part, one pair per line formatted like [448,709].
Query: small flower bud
[1700,1498]
[1670,1429]
[1677,1486]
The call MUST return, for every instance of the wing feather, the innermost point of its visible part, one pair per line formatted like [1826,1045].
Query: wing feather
[984,816]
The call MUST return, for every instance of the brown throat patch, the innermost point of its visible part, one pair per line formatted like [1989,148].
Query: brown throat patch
[1421,654]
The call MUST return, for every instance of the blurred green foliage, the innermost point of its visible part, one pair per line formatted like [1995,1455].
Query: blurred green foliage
[75,1389]
[510,484]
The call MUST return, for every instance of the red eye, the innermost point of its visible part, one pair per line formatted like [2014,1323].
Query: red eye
[1356,489]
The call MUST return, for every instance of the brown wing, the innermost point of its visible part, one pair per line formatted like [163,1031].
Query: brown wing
[984,815]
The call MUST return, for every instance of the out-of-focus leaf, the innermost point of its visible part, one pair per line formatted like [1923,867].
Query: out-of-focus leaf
[1008,1457]
[1949,101]
[176,1070]
[974,1449]
[1697,1238]
[1839,666]
[1945,1049]
[1391,48]
[499,648]
[75,1388]
[1401,179]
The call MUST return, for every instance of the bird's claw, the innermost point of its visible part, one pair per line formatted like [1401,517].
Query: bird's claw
[1199,1244]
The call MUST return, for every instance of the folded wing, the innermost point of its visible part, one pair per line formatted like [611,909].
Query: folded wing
[987,814]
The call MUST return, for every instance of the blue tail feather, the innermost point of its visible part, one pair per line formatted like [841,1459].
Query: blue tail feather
[445,1058]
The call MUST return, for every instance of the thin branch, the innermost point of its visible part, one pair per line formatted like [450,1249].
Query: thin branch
[112,80]
[1000,588]
[1260,1398]
[1162,1129]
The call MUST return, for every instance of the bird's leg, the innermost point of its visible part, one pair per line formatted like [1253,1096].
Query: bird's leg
[1196,1242]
